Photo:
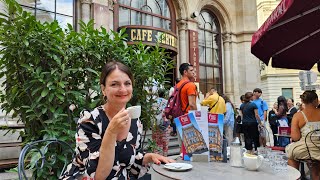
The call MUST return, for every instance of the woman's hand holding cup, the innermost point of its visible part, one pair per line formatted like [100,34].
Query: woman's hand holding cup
[119,122]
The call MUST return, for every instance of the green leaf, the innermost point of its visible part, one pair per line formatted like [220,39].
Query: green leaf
[52,109]
[61,84]
[93,71]
[61,97]
[44,92]
[48,121]
[29,110]
[44,110]
[35,91]
[51,96]
[62,158]
[26,43]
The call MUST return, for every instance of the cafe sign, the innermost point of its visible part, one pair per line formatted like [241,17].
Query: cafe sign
[151,36]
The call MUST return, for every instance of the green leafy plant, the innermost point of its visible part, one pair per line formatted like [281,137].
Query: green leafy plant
[47,69]
[152,146]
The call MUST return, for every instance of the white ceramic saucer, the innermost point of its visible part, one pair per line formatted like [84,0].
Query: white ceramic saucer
[178,166]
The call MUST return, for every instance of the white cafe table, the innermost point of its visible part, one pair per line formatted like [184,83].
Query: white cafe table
[223,171]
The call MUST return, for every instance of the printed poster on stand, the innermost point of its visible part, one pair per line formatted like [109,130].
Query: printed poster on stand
[202,121]
[190,134]
[215,133]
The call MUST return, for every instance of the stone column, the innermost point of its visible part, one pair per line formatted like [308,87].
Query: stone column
[86,10]
[227,63]
[182,25]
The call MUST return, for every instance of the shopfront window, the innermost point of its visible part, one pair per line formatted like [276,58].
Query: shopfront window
[50,10]
[153,13]
[210,52]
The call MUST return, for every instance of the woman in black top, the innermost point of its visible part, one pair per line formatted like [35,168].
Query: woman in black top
[250,121]
[272,117]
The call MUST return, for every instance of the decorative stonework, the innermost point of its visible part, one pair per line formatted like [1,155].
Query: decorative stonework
[182,24]
[226,37]
[111,3]
[86,1]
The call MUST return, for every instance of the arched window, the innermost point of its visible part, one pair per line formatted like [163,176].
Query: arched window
[210,64]
[48,10]
[155,13]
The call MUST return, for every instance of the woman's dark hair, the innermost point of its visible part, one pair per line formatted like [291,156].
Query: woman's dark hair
[247,96]
[282,101]
[110,67]
[308,97]
[227,99]
[242,98]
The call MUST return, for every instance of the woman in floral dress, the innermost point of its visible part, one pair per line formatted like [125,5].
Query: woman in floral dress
[107,139]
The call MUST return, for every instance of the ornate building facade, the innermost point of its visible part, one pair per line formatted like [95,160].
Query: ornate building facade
[213,35]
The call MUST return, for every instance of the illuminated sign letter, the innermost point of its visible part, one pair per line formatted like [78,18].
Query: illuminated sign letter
[139,35]
[150,35]
[133,36]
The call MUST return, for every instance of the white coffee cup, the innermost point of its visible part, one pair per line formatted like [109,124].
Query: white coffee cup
[134,112]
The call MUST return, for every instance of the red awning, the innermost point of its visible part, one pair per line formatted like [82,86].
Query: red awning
[290,36]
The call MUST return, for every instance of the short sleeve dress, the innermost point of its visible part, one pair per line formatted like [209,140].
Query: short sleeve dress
[90,131]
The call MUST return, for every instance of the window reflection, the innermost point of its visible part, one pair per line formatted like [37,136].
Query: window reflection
[124,18]
[146,19]
[147,12]
[30,3]
[44,16]
[49,10]
[124,2]
[216,75]
[209,52]
[135,20]
[65,7]
[64,20]
[157,22]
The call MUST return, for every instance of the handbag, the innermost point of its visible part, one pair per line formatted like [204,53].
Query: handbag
[238,119]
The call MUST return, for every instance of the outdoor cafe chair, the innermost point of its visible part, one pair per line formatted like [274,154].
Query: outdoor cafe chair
[311,161]
[40,148]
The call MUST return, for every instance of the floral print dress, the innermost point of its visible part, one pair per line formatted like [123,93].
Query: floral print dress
[90,131]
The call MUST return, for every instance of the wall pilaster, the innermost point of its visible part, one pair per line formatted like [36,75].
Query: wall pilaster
[227,63]
[183,42]
[86,10]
